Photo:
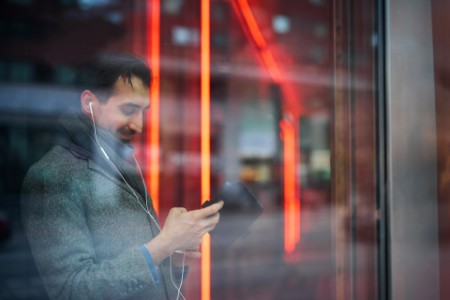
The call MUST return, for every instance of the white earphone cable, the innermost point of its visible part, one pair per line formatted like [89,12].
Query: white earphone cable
[146,209]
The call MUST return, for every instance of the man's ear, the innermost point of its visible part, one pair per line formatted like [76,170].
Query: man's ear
[87,97]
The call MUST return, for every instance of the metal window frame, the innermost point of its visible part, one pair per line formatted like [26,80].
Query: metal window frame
[411,167]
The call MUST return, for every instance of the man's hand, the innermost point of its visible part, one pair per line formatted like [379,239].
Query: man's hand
[183,230]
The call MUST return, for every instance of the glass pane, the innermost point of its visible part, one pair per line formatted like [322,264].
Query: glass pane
[280,96]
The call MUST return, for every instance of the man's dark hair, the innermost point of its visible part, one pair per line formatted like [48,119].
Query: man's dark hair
[103,71]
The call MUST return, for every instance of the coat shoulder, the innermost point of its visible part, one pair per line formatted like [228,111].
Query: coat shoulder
[57,164]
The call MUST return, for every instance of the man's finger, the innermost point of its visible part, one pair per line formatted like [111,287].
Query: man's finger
[213,218]
[208,211]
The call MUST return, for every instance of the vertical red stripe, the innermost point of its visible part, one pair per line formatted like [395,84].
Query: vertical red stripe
[205,140]
[153,57]
[290,206]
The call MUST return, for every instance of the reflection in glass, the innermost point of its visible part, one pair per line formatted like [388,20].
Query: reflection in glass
[291,115]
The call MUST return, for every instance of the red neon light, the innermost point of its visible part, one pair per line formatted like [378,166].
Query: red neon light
[271,65]
[291,204]
[153,56]
[205,140]
[250,26]
[291,222]
[251,23]
[206,268]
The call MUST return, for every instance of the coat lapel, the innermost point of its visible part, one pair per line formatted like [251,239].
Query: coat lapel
[116,179]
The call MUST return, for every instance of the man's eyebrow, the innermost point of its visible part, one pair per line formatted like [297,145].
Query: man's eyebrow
[134,105]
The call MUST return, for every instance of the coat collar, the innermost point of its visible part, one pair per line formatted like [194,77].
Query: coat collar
[80,138]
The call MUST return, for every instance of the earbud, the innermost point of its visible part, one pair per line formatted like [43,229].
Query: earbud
[90,108]
[95,131]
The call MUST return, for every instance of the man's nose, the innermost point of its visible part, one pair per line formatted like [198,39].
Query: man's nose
[137,123]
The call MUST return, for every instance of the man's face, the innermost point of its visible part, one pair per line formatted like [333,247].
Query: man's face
[123,113]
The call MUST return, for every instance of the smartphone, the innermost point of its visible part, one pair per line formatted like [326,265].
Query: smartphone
[241,208]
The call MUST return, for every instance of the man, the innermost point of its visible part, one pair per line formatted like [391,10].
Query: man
[85,208]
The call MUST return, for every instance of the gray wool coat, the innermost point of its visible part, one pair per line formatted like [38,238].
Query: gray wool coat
[85,228]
